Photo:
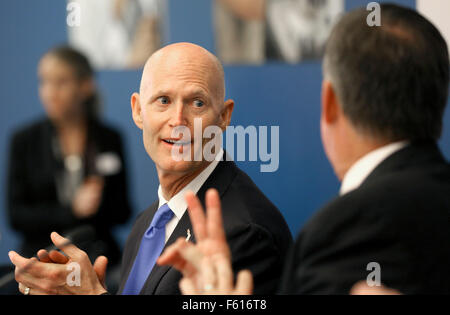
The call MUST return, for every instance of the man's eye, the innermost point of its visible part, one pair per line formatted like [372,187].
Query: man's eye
[163,100]
[198,103]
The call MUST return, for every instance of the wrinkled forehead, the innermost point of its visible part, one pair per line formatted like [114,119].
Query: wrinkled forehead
[183,73]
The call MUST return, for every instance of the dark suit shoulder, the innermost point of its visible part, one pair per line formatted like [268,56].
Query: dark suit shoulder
[398,219]
[31,131]
[395,195]
[256,231]
[245,206]
[254,206]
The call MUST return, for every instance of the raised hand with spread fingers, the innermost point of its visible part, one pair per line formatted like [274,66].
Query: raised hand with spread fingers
[206,265]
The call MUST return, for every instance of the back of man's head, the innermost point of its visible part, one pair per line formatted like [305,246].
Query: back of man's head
[392,81]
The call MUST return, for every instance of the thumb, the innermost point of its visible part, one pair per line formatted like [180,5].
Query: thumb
[100,266]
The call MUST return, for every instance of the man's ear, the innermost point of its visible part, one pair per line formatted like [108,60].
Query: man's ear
[330,103]
[136,110]
[225,116]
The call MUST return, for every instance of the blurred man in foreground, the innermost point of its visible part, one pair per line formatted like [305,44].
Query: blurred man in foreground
[383,100]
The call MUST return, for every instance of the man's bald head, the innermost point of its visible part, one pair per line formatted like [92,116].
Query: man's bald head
[187,58]
[181,85]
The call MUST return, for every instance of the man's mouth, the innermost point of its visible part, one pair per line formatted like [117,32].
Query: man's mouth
[176,142]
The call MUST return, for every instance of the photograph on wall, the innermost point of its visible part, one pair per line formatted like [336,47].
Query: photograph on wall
[258,31]
[117,34]
[437,13]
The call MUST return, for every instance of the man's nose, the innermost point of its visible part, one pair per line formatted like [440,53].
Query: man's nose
[178,115]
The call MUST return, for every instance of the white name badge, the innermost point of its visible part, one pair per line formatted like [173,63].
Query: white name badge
[108,164]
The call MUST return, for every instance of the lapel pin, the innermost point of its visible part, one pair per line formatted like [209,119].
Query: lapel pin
[188,235]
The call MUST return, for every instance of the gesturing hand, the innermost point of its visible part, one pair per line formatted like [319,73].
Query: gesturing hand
[206,266]
[50,275]
[57,257]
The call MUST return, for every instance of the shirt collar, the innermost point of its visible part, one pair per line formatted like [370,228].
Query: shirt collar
[360,170]
[177,203]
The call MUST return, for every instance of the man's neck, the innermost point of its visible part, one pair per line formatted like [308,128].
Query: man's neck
[172,183]
[363,167]
[357,150]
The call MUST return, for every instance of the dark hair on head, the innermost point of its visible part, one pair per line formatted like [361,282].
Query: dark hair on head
[83,71]
[392,80]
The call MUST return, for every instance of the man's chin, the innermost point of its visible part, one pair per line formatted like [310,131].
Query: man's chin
[172,166]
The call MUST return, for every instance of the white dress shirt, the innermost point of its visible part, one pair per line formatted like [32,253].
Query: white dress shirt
[360,170]
[177,203]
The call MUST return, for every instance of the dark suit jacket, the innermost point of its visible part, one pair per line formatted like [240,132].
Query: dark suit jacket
[399,218]
[34,208]
[257,233]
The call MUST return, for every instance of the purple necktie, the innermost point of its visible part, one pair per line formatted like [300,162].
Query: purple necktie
[152,244]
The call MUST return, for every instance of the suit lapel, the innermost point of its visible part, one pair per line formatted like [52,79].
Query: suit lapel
[220,179]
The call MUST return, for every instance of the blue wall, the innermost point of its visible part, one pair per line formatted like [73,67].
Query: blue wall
[275,94]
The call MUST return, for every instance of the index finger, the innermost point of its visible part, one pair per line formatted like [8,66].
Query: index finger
[44,256]
[197,215]
[58,257]
[52,257]
[214,216]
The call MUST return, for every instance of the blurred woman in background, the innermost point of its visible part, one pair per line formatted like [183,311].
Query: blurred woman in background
[67,169]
